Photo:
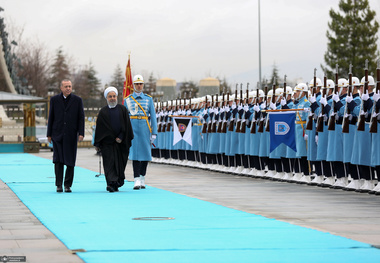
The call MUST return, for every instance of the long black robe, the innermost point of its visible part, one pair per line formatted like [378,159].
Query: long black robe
[115,155]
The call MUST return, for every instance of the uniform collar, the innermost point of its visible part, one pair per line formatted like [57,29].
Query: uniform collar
[138,95]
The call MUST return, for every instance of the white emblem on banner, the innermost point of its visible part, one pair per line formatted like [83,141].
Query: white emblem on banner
[281,128]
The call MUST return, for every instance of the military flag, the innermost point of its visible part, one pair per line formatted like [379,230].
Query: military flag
[128,84]
[182,129]
[282,129]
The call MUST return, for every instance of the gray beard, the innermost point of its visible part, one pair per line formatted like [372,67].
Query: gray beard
[112,104]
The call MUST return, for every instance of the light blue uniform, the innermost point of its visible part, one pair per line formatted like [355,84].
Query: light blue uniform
[141,146]
[300,141]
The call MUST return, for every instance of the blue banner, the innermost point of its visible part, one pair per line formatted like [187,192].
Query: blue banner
[282,130]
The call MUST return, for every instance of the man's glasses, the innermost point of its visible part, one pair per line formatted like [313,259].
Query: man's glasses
[139,83]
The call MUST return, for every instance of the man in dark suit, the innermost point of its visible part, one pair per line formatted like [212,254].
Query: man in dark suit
[65,129]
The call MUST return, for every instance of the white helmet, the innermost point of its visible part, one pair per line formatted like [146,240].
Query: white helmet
[355,82]
[318,82]
[270,93]
[330,84]
[297,88]
[138,79]
[289,90]
[342,83]
[279,92]
[302,87]
[371,81]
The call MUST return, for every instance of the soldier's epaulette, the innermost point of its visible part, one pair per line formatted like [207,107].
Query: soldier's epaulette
[148,95]
[305,100]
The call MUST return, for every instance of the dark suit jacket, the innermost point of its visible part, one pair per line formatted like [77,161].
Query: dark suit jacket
[64,126]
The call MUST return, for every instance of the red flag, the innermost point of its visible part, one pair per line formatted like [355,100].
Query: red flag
[128,85]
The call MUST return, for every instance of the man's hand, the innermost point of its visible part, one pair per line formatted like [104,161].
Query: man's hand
[152,138]
[80,138]
[49,139]
[97,149]
[118,140]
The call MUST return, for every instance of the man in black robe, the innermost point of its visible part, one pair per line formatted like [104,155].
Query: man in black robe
[113,136]
[65,129]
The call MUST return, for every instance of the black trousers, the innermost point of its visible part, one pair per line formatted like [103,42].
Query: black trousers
[139,168]
[69,175]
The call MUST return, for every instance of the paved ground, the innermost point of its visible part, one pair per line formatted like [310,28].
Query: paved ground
[348,214]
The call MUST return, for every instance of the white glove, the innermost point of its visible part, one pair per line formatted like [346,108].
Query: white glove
[227,108]
[152,138]
[204,112]
[221,110]
[283,102]
[263,105]
[188,112]
[305,137]
[233,106]
[272,106]
[256,108]
[240,107]
[246,108]
[376,96]
[335,97]
[316,139]
[323,101]
[349,98]
[306,109]
[365,96]
[312,99]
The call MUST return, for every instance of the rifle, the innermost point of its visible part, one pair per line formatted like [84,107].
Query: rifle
[209,125]
[232,122]
[267,129]
[253,124]
[321,117]
[347,112]
[163,127]
[213,127]
[224,128]
[168,126]
[309,125]
[284,92]
[204,127]
[244,123]
[238,123]
[361,120]
[375,110]
[331,123]
[220,123]
[160,118]
[261,123]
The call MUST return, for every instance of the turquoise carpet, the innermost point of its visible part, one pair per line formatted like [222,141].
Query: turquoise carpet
[102,223]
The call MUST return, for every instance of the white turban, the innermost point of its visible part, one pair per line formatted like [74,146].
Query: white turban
[108,90]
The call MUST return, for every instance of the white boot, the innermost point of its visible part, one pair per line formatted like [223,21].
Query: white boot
[137,184]
[306,179]
[142,182]
[366,187]
[287,177]
[296,177]
[329,181]
[317,180]
[340,183]
[354,185]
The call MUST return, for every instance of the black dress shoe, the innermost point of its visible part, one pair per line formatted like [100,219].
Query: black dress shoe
[67,190]
[59,189]
[110,189]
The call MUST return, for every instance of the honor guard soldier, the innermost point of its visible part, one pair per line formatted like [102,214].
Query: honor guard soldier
[144,125]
